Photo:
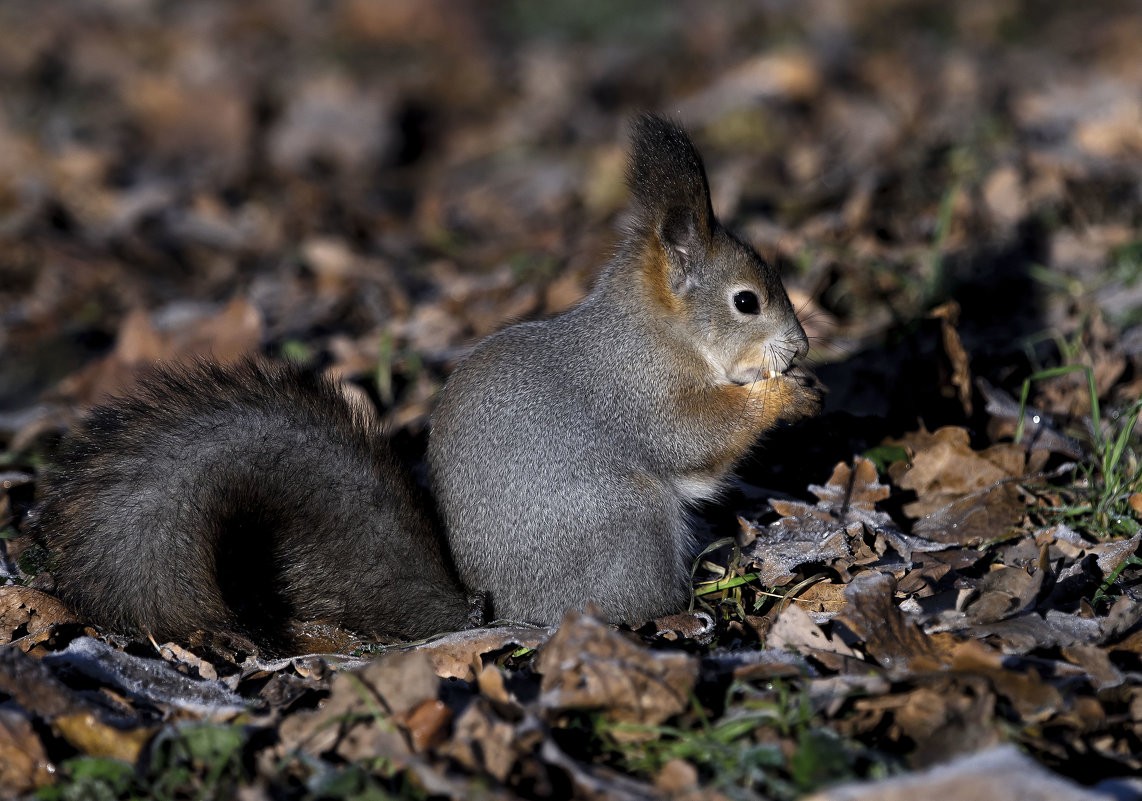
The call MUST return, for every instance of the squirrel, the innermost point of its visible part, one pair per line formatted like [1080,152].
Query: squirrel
[564,456]
[240,499]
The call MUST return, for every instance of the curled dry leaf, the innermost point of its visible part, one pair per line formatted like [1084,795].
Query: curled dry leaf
[959,379]
[1003,593]
[1112,554]
[27,615]
[364,705]
[457,655]
[589,665]
[149,680]
[795,629]
[427,724]
[895,642]
[176,654]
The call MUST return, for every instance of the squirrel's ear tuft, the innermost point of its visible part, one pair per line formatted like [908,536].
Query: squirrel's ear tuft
[665,169]
[670,194]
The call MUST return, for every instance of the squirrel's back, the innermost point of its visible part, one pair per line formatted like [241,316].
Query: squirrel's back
[240,498]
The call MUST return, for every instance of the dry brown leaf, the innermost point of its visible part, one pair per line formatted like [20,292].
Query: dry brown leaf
[943,463]
[1096,663]
[1112,554]
[1003,593]
[231,334]
[428,724]
[698,626]
[822,597]
[959,382]
[90,736]
[823,533]
[808,537]
[1032,698]
[492,684]
[26,613]
[946,715]
[893,641]
[964,496]
[358,719]
[457,655]
[24,765]
[322,637]
[982,515]
[676,776]
[1135,501]
[32,686]
[830,533]
[795,629]
[589,665]
[922,579]
[856,487]
[172,652]
[485,742]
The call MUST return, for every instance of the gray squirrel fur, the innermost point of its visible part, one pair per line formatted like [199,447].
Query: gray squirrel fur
[566,454]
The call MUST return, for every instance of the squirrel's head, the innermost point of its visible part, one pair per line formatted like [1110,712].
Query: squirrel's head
[712,287]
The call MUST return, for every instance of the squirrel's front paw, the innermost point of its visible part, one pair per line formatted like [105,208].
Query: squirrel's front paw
[807,395]
[789,397]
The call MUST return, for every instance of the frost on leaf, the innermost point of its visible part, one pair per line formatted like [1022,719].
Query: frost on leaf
[843,528]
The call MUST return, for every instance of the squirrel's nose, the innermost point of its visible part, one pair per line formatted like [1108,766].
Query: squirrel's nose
[802,345]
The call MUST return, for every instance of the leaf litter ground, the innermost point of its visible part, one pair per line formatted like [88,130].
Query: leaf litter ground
[933,587]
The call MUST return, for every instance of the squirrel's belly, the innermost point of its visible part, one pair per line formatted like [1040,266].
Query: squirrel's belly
[694,487]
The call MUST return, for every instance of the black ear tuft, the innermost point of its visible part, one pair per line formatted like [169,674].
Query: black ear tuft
[666,175]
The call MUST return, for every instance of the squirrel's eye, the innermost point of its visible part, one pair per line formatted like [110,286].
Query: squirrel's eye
[746,302]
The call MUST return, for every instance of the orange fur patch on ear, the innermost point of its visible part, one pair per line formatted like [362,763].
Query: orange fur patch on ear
[655,270]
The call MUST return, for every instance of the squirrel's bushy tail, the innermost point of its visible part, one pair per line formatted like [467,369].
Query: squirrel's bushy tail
[241,498]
